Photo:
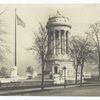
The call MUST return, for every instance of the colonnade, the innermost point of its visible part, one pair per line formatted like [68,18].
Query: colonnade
[58,42]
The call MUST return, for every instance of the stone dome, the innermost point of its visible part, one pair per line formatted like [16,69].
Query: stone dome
[58,20]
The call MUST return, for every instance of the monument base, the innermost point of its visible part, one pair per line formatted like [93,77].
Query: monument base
[14,72]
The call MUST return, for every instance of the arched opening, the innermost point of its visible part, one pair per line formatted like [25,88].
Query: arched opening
[56,70]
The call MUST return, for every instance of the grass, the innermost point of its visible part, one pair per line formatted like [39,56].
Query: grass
[73,91]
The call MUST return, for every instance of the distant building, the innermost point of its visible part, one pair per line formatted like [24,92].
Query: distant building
[58,62]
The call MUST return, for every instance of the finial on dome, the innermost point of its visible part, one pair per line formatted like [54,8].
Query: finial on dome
[58,13]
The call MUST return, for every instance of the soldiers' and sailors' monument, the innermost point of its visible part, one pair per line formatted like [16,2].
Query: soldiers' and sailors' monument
[58,62]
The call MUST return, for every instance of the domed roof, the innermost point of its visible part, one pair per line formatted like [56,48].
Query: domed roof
[58,20]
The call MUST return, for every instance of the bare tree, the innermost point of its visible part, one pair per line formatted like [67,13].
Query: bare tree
[94,35]
[4,47]
[85,54]
[80,52]
[40,47]
[74,54]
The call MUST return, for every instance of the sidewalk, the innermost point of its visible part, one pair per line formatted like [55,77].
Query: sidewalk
[38,89]
[8,92]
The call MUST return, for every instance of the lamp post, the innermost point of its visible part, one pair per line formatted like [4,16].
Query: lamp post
[64,68]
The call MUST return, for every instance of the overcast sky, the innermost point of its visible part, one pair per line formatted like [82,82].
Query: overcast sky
[80,17]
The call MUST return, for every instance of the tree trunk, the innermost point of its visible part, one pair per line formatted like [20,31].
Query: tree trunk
[99,64]
[76,76]
[42,84]
[81,77]
[82,65]
[76,69]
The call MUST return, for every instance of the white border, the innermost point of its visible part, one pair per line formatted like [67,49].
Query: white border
[45,2]
[48,98]
[49,1]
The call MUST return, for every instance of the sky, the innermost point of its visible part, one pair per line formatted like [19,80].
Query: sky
[80,16]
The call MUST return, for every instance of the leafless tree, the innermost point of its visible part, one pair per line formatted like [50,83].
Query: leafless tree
[41,48]
[74,53]
[80,52]
[4,47]
[94,34]
[85,54]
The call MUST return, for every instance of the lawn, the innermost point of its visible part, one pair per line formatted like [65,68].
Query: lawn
[73,91]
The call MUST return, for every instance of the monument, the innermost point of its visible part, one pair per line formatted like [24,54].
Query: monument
[58,62]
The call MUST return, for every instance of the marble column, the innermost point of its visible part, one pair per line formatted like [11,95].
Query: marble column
[54,42]
[64,48]
[66,42]
[59,51]
[61,41]
[49,42]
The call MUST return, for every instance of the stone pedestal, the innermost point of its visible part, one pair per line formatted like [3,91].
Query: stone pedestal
[14,72]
